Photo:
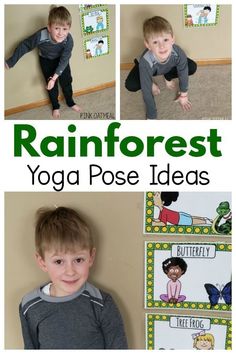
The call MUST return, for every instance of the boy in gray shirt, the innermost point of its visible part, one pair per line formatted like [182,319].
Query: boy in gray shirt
[68,312]
[162,57]
[54,44]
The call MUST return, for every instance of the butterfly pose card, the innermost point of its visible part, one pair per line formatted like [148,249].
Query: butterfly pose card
[187,332]
[195,276]
[188,213]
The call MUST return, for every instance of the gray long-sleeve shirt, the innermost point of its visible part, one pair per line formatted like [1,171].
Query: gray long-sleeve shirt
[87,319]
[149,67]
[47,49]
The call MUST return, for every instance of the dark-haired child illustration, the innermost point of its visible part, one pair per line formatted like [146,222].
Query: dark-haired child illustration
[174,268]
[163,199]
[98,50]
[202,19]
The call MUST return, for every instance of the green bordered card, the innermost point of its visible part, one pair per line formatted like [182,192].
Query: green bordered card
[96,47]
[190,276]
[201,15]
[95,21]
[88,7]
[187,332]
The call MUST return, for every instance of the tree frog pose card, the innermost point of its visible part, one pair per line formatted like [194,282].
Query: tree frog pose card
[194,276]
[188,213]
[187,332]
[95,21]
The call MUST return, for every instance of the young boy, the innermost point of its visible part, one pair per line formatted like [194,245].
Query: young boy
[68,312]
[54,44]
[162,57]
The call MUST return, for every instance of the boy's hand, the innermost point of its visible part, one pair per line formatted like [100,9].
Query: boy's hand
[6,66]
[51,83]
[184,102]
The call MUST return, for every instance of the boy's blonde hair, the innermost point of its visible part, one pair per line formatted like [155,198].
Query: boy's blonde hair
[61,229]
[205,337]
[60,16]
[156,25]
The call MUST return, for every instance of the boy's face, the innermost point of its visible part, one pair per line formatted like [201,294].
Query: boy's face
[58,32]
[67,271]
[160,45]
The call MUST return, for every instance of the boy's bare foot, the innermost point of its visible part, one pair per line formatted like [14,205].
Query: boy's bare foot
[56,113]
[155,89]
[76,108]
[170,84]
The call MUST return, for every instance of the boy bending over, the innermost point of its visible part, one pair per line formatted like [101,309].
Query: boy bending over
[54,44]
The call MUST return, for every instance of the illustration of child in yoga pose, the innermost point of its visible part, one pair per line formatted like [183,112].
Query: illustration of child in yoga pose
[164,199]
[174,268]
[203,341]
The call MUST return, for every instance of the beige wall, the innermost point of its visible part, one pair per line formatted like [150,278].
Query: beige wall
[24,83]
[199,43]
[117,221]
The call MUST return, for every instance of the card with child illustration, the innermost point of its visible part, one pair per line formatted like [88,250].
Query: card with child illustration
[188,213]
[191,276]
[178,332]
[95,21]
[88,7]
[96,47]
[201,15]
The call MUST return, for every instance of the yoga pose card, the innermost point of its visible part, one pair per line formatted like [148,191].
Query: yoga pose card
[195,276]
[97,46]
[187,332]
[95,21]
[188,213]
[88,7]
[201,15]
